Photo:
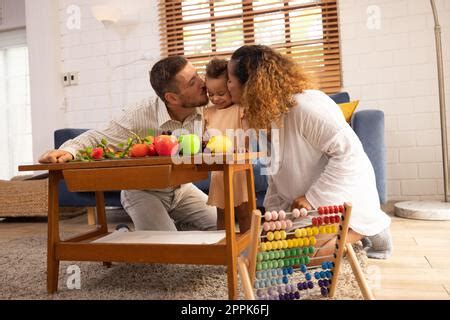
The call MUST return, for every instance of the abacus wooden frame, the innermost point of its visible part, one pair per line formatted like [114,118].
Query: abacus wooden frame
[247,265]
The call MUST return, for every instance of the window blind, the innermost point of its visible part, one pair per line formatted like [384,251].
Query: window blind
[306,30]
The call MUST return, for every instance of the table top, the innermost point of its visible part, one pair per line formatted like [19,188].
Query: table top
[205,159]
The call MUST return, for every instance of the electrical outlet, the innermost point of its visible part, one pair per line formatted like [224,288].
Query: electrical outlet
[66,79]
[73,78]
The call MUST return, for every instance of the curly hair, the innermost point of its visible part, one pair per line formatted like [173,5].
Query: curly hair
[269,81]
[216,68]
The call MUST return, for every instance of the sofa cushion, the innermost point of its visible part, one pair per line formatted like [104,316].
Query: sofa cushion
[341,97]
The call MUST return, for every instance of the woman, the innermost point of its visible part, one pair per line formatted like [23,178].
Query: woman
[321,159]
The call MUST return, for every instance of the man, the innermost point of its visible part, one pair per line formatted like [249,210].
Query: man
[181,93]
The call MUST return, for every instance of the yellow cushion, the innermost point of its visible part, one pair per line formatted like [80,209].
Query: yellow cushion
[348,109]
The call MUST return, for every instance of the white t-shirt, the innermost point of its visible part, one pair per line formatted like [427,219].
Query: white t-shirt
[321,157]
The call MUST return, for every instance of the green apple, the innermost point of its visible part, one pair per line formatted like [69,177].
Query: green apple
[189,144]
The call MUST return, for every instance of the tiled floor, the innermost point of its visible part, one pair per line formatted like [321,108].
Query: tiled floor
[418,269]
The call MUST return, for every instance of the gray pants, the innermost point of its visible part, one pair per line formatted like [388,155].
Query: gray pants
[183,208]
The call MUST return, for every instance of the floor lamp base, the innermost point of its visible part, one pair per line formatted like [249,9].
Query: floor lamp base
[423,210]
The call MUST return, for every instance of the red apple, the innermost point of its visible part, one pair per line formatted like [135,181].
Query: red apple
[152,150]
[139,150]
[166,145]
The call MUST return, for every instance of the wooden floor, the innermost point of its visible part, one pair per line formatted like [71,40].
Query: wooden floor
[418,269]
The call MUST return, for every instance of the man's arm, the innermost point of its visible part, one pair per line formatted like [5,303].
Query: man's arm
[116,132]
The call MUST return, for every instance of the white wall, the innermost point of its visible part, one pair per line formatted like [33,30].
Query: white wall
[44,66]
[394,69]
[95,52]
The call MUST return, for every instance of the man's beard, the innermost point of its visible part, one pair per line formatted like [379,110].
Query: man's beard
[195,104]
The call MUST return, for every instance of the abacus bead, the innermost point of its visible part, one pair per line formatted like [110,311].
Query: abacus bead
[280,271]
[268,246]
[286,296]
[277,225]
[273,282]
[297,233]
[322,274]
[285,244]
[315,231]
[328,229]
[274,215]
[325,282]
[325,265]
[274,245]
[299,286]
[263,246]
[289,224]
[304,232]
[330,209]
[303,268]
[325,210]
[270,235]
[308,276]
[259,292]
[271,255]
[268,216]
[303,212]
[310,284]
[297,295]
[285,279]
[320,283]
[307,260]
[312,241]
[341,208]
[282,254]
[291,270]
[320,221]
[300,242]
[266,226]
[283,234]
[259,256]
[314,221]
[328,274]
[317,275]
[331,219]
[326,220]
[258,266]
[277,235]
[305,285]
[283,224]
[306,242]
[274,273]
[305,250]
[324,291]
[308,232]
[336,209]
[272,226]
[282,215]
[291,296]
[281,296]
[296,213]
[280,281]
[337,219]
[267,283]
[265,265]
[320,210]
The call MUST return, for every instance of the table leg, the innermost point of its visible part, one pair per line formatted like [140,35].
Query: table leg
[230,232]
[251,190]
[101,217]
[52,232]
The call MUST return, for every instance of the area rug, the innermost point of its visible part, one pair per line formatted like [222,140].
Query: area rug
[23,276]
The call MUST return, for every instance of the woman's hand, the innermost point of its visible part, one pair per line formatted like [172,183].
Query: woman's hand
[301,202]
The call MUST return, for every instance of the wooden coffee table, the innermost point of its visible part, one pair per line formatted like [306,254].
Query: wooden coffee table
[143,173]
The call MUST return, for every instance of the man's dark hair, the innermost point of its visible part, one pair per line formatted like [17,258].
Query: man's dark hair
[216,68]
[162,75]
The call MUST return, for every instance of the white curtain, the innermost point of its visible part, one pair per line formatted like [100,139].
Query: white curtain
[15,112]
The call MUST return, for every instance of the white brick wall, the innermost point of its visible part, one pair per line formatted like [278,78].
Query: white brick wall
[95,52]
[394,69]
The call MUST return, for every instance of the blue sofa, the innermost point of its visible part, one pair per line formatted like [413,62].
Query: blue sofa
[367,124]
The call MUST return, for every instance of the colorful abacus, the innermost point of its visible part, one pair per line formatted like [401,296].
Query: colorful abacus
[282,264]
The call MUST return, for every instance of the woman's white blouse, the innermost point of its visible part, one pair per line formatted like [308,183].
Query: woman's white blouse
[321,157]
